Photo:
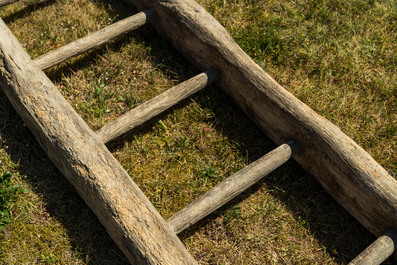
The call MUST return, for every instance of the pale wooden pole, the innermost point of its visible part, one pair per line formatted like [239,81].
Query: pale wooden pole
[93,40]
[381,249]
[7,2]
[128,216]
[155,106]
[347,172]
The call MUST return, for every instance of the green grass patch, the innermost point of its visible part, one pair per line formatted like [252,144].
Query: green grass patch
[8,195]
[338,57]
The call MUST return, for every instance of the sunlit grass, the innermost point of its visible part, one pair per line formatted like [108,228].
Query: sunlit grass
[338,57]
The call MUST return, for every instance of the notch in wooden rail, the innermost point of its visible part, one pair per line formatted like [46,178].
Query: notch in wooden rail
[232,186]
[93,40]
[155,106]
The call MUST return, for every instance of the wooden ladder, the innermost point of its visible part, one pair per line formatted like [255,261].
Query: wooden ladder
[80,154]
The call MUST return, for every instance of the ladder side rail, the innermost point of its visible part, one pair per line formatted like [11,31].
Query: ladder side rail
[126,213]
[345,170]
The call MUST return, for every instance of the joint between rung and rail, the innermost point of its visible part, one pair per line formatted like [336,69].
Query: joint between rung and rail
[232,187]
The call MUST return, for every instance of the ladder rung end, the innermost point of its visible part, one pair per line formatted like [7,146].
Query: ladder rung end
[93,40]
[7,2]
[231,187]
[155,106]
[378,251]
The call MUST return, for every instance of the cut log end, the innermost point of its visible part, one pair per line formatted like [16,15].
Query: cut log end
[378,251]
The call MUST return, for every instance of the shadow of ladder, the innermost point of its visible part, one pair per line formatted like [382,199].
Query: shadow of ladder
[213,199]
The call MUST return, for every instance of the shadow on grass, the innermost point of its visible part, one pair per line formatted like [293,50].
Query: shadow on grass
[162,52]
[332,226]
[88,237]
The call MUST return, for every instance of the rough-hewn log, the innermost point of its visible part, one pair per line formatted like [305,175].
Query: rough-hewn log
[7,2]
[93,40]
[128,216]
[378,251]
[155,106]
[231,187]
[342,167]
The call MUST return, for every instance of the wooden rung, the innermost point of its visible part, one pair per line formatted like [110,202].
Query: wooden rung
[155,106]
[7,2]
[93,40]
[379,251]
[231,187]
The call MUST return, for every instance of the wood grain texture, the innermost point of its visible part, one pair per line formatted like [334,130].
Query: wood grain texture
[378,251]
[342,167]
[7,2]
[93,40]
[231,187]
[128,216]
[155,106]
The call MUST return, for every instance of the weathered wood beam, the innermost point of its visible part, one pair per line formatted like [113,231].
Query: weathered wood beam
[379,251]
[155,106]
[231,187]
[128,216]
[343,168]
[93,40]
[7,2]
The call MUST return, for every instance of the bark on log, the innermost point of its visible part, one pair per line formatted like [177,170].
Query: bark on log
[155,106]
[93,40]
[342,167]
[378,251]
[7,2]
[128,216]
[231,187]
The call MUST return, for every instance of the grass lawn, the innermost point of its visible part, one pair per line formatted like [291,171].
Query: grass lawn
[339,57]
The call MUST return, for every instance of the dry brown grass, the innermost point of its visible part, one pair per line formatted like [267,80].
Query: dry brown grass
[285,219]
